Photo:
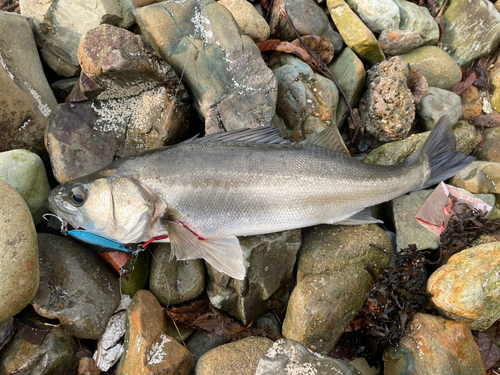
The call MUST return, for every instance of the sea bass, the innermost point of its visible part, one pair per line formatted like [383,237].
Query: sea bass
[204,192]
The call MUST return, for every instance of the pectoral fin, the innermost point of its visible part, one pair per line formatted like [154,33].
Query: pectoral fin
[224,254]
[362,217]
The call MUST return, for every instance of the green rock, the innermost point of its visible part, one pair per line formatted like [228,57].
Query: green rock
[419,20]
[172,281]
[356,35]
[437,66]
[138,278]
[240,357]
[307,101]
[473,30]
[269,276]
[495,214]
[55,356]
[439,103]
[332,282]
[490,149]
[474,298]
[25,172]
[18,253]
[397,152]
[350,73]
[383,16]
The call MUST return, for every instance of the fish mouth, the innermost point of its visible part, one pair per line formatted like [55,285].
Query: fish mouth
[71,217]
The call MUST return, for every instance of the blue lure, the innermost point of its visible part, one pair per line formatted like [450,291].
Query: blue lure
[95,239]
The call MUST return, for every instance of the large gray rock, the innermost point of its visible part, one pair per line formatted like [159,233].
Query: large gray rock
[75,287]
[438,68]
[307,101]
[231,86]
[418,19]
[332,282]
[475,298]
[25,172]
[25,95]
[269,276]
[433,345]
[350,73]
[18,253]
[378,15]
[172,281]
[287,357]
[59,24]
[307,17]
[439,103]
[473,30]
[387,107]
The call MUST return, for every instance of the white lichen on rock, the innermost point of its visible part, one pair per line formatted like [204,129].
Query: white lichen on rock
[42,107]
[156,353]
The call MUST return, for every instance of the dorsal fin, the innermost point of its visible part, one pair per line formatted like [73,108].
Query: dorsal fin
[329,138]
[267,134]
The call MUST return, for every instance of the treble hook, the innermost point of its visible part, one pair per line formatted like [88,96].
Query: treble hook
[64,224]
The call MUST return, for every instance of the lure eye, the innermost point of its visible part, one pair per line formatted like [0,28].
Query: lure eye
[78,194]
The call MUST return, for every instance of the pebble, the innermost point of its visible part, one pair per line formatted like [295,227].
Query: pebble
[438,68]
[269,276]
[332,282]
[199,343]
[471,103]
[356,35]
[466,288]
[24,91]
[172,281]
[250,21]
[387,106]
[398,42]
[18,253]
[240,357]
[288,357]
[434,345]
[378,15]
[418,19]
[490,149]
[439,103]
[479,177]
[25,172]
[75,287]
[307,101]
[147,347]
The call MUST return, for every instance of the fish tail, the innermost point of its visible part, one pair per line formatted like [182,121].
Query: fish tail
[439,156]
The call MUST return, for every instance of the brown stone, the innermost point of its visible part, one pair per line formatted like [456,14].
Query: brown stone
[471,103]
[434,345]
[397,42]
[148,349]
[479,177]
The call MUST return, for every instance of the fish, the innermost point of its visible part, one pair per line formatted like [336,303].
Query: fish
[205,192]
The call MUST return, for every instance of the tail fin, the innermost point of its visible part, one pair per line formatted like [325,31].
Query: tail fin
[438,152]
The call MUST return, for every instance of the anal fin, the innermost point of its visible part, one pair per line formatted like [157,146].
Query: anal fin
[224,254]
[362,217]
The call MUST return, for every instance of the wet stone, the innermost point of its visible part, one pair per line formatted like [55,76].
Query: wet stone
[250,21]
[240,357]
[474,298]
[332,282]
[25,172]
[307,17]
[147,347]
[398,42]
[25,95]
[269,276]
[307,101]
[290,357]
[479,177]
[387,107]
[18,253]
[174,281]
[138,278]
[434,345]
[75,287]
[438,68]
[231,86]
[437,104]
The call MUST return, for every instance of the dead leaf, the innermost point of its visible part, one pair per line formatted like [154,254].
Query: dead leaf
[417,84]
[491,120]
[278,45]
[490,353]
[464,85]
[31,332]
[442,27]
[321,48]
[481,80]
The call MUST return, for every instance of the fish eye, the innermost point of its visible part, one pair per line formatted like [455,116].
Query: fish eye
[78,194]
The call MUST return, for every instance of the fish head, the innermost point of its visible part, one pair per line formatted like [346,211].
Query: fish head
[119,208]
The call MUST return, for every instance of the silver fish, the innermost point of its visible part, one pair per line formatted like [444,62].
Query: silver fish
[204,192]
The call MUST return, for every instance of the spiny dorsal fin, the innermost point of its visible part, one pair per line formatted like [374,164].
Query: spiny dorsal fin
[267,134]
[329,138]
